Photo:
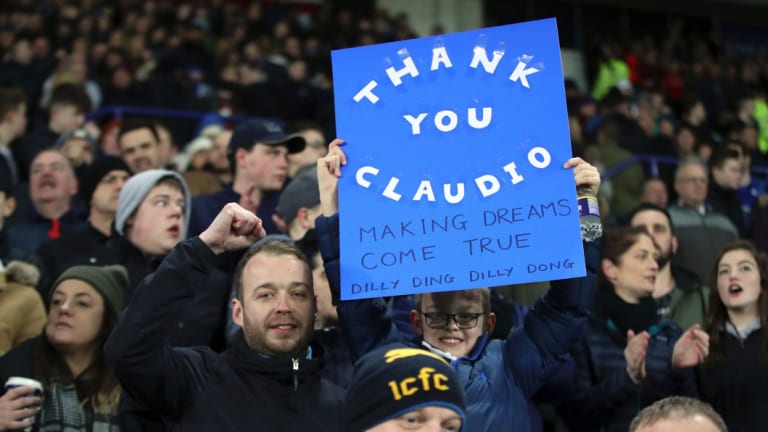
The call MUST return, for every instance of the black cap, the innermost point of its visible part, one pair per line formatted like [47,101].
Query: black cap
[252,132]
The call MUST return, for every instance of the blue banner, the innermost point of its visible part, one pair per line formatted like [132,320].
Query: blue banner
[455,147]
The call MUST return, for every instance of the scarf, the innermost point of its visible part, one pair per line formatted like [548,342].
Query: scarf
[625,316]
[62,412]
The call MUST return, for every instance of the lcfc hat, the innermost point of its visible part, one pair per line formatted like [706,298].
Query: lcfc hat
[252,132]
[396,379]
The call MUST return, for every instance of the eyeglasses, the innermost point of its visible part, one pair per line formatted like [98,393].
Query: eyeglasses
[465,320]
[699,180]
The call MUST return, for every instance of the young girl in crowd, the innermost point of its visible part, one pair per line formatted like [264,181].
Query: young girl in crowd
[80,392]
[628,358]
[733,377]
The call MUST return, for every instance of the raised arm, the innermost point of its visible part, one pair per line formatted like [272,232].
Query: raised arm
[164,378]
[558,318]
[366,324]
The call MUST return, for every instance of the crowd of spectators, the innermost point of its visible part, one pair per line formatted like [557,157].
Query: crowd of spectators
[677,126]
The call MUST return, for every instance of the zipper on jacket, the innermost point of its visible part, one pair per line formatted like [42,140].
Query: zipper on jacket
[295,373]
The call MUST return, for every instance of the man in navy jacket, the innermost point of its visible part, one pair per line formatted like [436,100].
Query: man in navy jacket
[269,380]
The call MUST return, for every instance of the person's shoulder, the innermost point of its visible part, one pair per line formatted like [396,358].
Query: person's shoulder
[17,293]
[214,200]
[18,360]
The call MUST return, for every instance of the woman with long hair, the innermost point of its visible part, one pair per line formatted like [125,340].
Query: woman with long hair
[733,377]
[628,357]
[79,390]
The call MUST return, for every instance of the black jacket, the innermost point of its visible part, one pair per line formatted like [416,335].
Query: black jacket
[59,254]
[198,389]
[735,387]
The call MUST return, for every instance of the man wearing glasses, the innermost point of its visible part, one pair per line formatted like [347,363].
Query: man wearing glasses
[499,376]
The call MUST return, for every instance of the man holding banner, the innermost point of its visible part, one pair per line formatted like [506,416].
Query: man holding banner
[499,377]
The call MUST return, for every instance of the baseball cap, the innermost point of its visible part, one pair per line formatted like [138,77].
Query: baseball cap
[251,132]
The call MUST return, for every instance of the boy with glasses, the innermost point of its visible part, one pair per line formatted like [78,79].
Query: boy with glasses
[499,377]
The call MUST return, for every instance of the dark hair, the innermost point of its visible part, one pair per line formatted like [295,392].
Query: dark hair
[653,207]
[610,130]
[485,298]
[71,95]
[676,407]
[720,155]
[10,99]
[309,246]
[132,124]
[616,242]
[272,248]
[297,126]
[717,314]
[96,386]
[689,104]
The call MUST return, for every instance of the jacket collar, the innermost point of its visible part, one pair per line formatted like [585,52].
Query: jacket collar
[284,369]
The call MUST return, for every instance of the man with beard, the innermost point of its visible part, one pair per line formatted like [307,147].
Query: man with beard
[679,294]
[139,145]
[269,379]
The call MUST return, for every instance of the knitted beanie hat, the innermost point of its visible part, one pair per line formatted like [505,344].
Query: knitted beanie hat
[396,379]
[110,281]
[96,172]
[136,189]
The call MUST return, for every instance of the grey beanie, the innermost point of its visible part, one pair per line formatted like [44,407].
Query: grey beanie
[137,187]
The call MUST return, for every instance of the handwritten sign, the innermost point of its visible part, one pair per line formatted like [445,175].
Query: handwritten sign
[455,147]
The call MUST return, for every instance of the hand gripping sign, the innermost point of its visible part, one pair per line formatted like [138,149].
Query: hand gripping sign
[455,147]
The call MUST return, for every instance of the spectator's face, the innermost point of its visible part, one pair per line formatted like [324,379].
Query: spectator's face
[738,281]
[657,224]
[22,52]
[166,148]
[75,316]
[685,142]
[634,275]
[51,178]
[691,185]
[326,311]
[655,192]
[749,137]
[698,423]
[18,120]
[78,151]
[278,305]
[450,338]
[314,150]
[728,175]
[431,418]
[158,224]
[266,166]
[107,191]
[218,155]
[140,150]
[7,206]
[66,118]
